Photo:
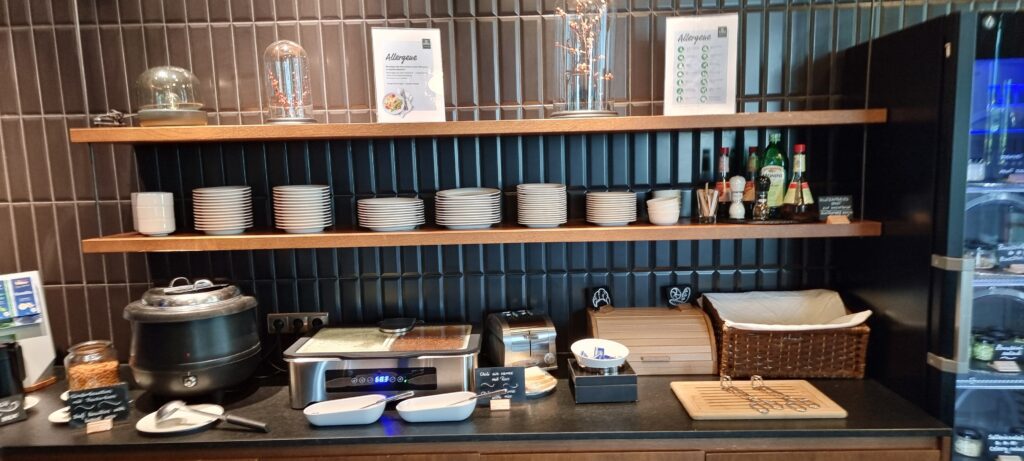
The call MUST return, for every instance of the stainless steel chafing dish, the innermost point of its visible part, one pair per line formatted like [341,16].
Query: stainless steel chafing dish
[341,362]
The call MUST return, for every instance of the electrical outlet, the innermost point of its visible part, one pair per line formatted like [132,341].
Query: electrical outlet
[296,323]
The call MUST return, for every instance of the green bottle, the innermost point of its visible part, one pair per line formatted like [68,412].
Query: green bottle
[773,165]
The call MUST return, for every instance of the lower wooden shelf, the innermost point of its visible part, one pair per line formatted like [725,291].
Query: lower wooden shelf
[574,232]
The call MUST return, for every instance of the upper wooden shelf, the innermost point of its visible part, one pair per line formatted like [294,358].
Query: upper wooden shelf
[235,133]
[573,232]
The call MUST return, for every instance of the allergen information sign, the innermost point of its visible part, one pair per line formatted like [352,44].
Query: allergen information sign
[700,64]
[408,75]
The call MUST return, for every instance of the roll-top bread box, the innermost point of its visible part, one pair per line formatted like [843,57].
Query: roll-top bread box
[661,341]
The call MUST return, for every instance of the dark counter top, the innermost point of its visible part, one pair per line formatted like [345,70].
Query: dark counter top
[874,411]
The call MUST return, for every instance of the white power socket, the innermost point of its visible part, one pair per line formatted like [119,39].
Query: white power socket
[295,323]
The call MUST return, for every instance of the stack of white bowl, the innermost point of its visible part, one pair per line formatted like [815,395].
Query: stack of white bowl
[468,208]
[541,205]
[302,209]
[387,214]
[663,211]
[611,208]
[224,210]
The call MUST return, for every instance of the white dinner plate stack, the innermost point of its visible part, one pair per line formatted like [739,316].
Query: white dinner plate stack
[541,205]
[468,208]
[224,210]
[302,209]
[388,214]
[611,208]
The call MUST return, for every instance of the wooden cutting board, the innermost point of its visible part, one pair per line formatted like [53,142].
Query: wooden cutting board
[706,400]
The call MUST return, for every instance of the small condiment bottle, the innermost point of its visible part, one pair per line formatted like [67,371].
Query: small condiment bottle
[761,211]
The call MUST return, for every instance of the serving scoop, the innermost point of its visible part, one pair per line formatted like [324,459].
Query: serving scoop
[170,408]
[479,396]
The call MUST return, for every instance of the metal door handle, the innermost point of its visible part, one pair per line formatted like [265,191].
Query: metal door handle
[963,309]
[655,358]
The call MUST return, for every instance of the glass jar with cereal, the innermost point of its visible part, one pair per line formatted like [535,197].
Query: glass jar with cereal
[91,364]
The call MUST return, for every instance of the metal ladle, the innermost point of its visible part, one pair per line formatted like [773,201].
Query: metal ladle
[170,408]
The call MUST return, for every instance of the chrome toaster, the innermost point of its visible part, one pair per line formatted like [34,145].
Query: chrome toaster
[521,339]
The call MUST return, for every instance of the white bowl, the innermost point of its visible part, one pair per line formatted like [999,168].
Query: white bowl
[345,412]
[667,193]
[436,408]
[152,199]
[588,346]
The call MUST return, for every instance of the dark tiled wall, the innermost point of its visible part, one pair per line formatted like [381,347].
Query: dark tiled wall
[63,60]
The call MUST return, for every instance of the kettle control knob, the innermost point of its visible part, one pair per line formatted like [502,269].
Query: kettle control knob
[549,358]
[189,381]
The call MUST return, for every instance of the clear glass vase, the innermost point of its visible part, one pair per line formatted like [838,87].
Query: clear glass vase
[286,83]
[585,35]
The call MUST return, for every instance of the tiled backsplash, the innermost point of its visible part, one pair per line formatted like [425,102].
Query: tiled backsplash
[64,60]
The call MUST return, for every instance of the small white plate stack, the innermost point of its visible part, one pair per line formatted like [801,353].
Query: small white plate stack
[302,209]
[611,208]
[541,205]
[388,214]
[224,210]
[468,208]
[663,211]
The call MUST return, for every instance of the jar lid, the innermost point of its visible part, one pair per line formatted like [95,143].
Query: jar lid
[189,301]
[968,433]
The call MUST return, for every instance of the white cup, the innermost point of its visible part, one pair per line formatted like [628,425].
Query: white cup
[153,213]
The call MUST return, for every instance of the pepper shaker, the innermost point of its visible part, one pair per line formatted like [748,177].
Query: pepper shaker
[736,185]
[761,211]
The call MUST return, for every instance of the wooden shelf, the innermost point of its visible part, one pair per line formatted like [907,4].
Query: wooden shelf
[237,133]
[574,232]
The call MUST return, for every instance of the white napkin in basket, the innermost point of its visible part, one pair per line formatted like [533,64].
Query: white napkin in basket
[784,310]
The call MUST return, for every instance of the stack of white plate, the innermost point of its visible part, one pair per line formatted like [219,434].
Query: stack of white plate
[541,205]
[611,208]
[222,210]
[468,208]
[302,209]
[390,213]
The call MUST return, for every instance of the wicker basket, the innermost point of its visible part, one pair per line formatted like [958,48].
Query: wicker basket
[833,353]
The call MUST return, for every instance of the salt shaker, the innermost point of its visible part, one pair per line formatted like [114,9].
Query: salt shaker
[736,185]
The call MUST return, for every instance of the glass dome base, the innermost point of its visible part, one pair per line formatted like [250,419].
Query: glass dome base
[291,121]
[171,117]
[583,113]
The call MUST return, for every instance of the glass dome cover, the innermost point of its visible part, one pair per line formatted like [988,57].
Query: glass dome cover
[167,88]
[286,83]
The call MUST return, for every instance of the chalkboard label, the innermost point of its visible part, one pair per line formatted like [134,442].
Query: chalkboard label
[1005,444]
[679,295]
[512,379]
[599,297]
[99,403]
[1010,254]
[12,409]
[835,205]
[1009,351]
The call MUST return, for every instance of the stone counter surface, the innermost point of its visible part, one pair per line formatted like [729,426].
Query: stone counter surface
[874,411]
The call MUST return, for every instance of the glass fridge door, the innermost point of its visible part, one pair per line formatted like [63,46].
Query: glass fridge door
[989,416]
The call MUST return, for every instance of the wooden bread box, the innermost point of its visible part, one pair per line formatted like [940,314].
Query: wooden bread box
[661,341]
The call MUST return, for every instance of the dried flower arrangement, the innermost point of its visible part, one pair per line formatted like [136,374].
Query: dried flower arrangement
[586,35]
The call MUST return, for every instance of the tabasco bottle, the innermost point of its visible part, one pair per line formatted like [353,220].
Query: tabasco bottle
[798,203]
[773,165]
[750,188]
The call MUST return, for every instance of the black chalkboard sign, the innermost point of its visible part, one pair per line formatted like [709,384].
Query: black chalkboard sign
[1009,351]
[1010,254]
[1005,444]
[835,205]
[12,409]
[99,403]
[512,379]
[679,295]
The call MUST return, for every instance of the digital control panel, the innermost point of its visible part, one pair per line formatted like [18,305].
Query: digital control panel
[388,379]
